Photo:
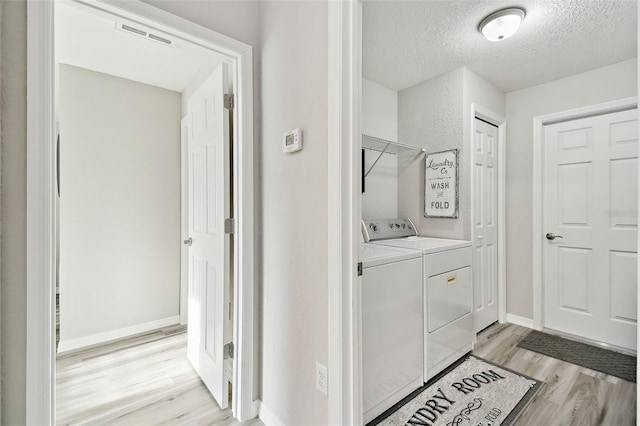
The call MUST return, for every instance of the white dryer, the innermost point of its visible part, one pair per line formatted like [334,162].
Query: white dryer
[392,326]
[447,289]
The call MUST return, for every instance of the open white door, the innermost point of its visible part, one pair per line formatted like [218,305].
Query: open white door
[209,206]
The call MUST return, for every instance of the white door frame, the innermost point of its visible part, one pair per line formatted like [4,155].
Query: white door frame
[495,119]
[344,212]
[41,250]
[538,139]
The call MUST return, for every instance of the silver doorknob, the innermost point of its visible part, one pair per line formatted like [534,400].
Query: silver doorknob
[188,242]
[551,236]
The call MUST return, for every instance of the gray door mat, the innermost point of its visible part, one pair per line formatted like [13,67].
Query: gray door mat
[582,354]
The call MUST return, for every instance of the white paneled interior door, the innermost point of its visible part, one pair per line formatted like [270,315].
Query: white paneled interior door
[590,206]
[209,205]
[485,226]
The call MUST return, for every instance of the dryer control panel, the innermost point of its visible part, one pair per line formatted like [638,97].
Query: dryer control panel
[384,229]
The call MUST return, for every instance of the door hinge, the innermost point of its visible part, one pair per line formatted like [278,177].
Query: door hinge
[229,101]
[230,225]
[359,269]
[228,350]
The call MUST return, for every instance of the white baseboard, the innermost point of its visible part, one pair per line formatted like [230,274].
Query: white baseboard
[94,339]
[521,321]
[267,416]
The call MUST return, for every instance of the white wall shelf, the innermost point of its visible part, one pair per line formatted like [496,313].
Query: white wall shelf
[384,146]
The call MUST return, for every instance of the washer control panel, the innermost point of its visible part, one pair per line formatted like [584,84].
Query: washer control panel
[384,229]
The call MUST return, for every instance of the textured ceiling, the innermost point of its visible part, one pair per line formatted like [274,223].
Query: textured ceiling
[87,38]
[408,42]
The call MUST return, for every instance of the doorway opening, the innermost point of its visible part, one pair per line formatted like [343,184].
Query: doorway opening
[156,31]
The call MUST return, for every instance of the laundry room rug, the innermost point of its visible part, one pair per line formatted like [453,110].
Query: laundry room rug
[582,354]
[472,393]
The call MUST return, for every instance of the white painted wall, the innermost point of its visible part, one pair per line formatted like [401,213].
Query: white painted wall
[600,85]
[293,216]
[380,119]
[479,91]
[379,111]
[1,139]
[1,14]
[119,204]
[431,115]
[13,209]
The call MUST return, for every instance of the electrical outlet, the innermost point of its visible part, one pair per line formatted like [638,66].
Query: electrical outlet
[321,378]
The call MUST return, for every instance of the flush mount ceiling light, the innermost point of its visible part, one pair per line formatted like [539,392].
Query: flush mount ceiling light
[502,24]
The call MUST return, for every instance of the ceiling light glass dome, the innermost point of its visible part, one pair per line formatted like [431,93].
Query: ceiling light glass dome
[502,24]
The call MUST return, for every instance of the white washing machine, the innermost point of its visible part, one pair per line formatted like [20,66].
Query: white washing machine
[392,326]
[447,289]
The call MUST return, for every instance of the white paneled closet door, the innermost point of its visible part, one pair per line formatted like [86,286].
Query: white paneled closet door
[485,216]
[590,215]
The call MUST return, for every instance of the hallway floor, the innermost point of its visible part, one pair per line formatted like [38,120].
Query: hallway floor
[143,380]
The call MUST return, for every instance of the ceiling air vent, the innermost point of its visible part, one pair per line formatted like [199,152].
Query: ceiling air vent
[126,27]
[143,32]
[160,39]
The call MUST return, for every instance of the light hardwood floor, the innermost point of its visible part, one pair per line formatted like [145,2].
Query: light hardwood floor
[147,380]
[572,395]
[144,380]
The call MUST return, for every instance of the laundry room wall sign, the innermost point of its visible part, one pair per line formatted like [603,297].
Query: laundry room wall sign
[441,184]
